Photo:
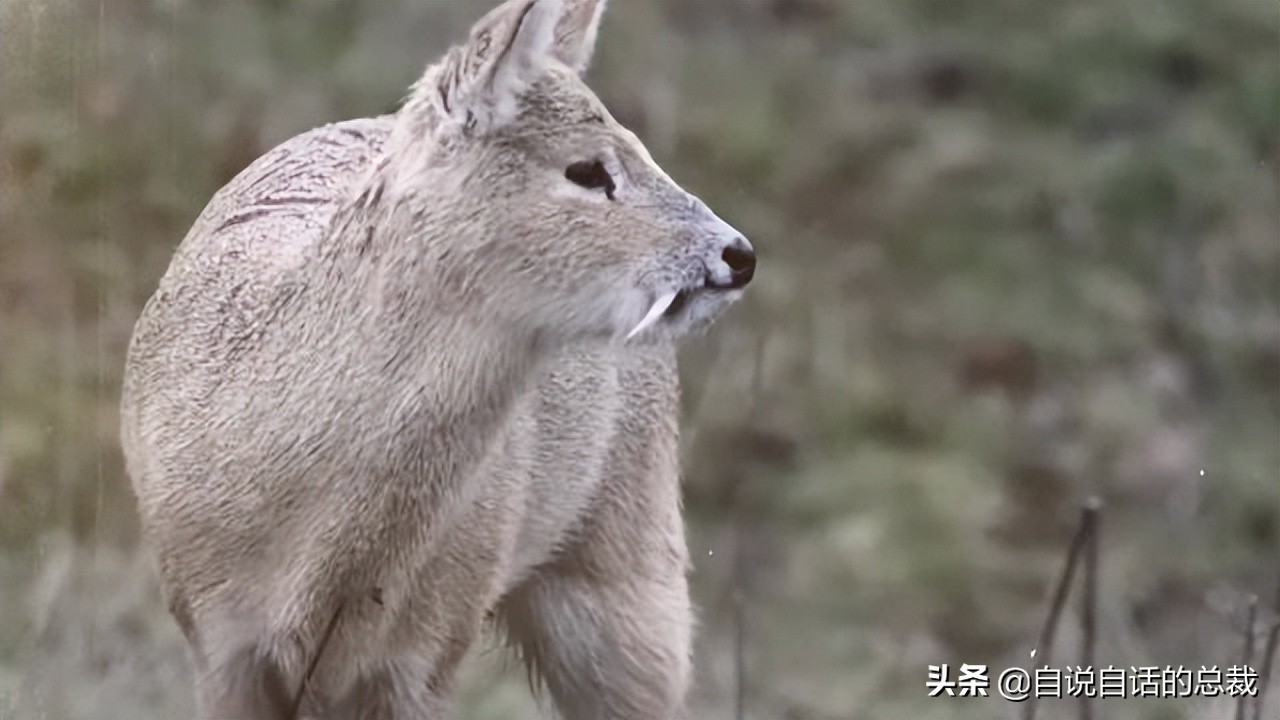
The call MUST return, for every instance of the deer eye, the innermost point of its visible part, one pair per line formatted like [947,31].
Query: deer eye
[591,175]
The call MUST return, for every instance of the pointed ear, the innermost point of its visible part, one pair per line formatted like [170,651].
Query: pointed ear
[479,83]
[576,32]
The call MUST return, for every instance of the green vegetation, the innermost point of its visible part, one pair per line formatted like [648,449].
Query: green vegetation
[1012,254]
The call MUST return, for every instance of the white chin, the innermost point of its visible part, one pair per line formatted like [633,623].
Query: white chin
[701,310]
[677,319]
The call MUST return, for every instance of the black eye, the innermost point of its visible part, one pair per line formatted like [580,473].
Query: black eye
[591,175]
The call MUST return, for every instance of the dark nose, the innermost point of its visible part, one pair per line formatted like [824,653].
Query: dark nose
[741,260]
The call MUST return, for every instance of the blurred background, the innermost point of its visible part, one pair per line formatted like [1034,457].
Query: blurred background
[1013,254]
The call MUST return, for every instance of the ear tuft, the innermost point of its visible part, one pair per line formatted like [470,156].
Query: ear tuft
[479,83]
[528,47]
[576,32]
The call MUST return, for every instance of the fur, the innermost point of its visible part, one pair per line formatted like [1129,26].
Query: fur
[382,393]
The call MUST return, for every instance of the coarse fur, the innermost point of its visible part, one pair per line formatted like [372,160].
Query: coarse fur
[388,388]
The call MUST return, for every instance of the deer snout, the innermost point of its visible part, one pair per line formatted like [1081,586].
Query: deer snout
[735,267]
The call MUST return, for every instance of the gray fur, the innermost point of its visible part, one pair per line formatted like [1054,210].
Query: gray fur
[381,391]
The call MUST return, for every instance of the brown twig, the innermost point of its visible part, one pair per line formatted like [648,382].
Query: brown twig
[739,656]
[1044,645]
[1089,619]
[1250,620]
[1264,675]
[1268,660]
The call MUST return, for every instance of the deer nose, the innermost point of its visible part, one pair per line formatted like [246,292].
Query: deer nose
[741,260]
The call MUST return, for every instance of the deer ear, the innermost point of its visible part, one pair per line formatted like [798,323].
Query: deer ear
[480,82]
[575,38]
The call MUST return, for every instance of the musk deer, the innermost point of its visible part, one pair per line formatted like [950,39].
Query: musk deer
[408,373]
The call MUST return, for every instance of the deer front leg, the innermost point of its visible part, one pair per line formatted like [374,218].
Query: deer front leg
[607,624]
[237,673]
[248,665]
[606,647]
[245,684]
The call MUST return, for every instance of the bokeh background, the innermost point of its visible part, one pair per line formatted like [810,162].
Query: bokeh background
[1013,254]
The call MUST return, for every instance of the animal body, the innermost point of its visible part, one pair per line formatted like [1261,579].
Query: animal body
[411,372]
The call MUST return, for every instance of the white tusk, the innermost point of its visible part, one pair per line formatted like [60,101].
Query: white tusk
[659,306]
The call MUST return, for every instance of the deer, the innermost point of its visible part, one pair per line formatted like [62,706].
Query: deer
[411,375]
